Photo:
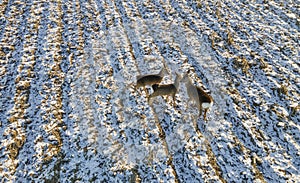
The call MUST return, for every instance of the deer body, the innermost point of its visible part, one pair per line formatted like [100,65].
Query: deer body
[198,96]
[167,89]
[143,81]
[148,80]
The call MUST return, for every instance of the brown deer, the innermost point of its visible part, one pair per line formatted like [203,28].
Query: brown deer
[150,79]
[198,96]
[166,89]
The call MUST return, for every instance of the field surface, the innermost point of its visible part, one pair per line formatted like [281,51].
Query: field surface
[70,112]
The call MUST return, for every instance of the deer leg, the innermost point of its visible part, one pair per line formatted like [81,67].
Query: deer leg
[173,97]
[137,89]
[147,94]
[151,96]
[200,111]
[194,119]
[204,116]
[168,99]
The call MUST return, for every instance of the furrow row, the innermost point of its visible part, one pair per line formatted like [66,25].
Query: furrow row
[15,131]
[123,62]
[251,131]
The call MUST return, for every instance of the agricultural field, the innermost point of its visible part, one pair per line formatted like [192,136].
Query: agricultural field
[70,110]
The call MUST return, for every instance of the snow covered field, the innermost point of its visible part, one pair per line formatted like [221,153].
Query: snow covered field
[69,110]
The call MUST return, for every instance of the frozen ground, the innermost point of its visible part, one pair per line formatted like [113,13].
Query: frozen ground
[69,111]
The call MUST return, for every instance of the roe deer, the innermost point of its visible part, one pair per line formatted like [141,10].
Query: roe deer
[166,89]
[198,96]
[150,79]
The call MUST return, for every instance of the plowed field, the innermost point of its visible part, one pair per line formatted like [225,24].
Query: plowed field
[70,111]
